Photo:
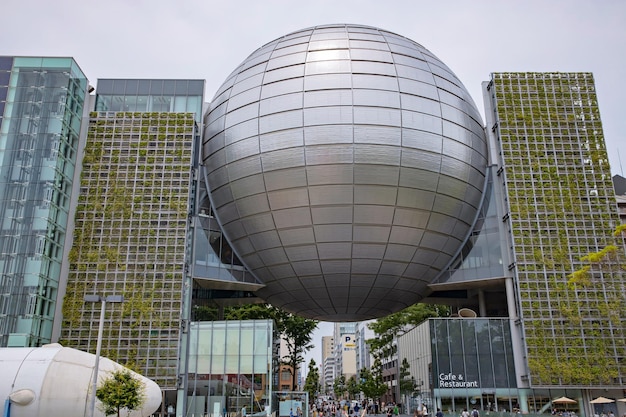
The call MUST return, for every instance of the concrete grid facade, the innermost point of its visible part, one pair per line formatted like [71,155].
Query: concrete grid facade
[561,206]
[130,239]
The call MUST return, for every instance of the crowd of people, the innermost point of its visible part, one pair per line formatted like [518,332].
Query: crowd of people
[345,408]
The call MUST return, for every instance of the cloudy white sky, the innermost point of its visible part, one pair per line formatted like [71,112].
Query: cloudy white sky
[207,39]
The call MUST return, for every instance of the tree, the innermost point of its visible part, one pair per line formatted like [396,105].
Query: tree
[406,382]
[312,383]
[297,333]
[396,324]
[372,384]
[120,390]
[352,387]
[388,328]
[339,386]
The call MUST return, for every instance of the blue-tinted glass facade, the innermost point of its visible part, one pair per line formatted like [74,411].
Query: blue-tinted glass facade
[464,363]
[481,257]
[472,353]
[41,103]
[229,367]
[142,95]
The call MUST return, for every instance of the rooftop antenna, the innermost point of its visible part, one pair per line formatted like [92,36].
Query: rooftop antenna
[620,162]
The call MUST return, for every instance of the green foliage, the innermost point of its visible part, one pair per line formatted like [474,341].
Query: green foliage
[551,360]
[250,312]
[372,384]
[312,383]
[297,333]
[396,324]
[339,386]
[407,382]
[204,313]
[120,390]
[353,387]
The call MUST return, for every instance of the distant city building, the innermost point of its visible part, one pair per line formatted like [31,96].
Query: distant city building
[286,378]
[619,183]
[345,349]
[364,359]
[328,363]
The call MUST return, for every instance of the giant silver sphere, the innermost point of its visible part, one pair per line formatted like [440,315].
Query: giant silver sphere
[346,166]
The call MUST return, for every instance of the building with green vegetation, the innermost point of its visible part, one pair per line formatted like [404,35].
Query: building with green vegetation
[131,234]
[560,207]
[539,287]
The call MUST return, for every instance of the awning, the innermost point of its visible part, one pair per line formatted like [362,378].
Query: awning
[564,400]
[601,400]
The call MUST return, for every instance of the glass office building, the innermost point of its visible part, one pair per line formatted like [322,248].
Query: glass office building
[462,363]
[41,111]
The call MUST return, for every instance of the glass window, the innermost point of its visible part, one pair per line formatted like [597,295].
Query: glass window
[180,104]
[4,78]
[131,87]
[119,86]
[143,87]
[141,103]
[181,87]
[169,87]
[156,87]
[196,87]
[194,104]
[161,104]
[104,87]
[6,62]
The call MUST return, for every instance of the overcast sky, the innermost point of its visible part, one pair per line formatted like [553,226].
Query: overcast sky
[207,39]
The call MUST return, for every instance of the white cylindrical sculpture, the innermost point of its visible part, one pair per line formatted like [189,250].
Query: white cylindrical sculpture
[54,381]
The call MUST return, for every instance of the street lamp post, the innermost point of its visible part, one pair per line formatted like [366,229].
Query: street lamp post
[98,299]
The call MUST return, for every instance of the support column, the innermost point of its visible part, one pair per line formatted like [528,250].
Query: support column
[482,308]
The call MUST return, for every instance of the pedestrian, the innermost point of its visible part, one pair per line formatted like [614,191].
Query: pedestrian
[439,413]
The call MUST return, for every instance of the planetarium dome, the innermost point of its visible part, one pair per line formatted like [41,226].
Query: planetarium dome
[346,166]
